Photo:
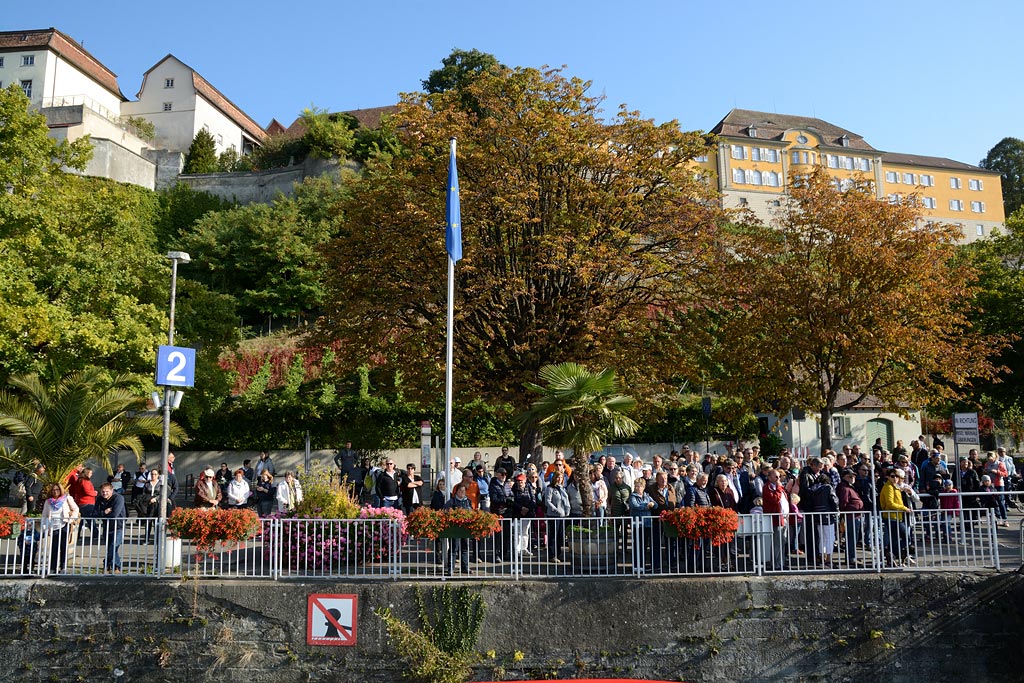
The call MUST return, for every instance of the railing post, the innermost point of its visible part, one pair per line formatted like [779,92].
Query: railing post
[993,536]
[757,544]
[635,529]
[158,552]
[396,563]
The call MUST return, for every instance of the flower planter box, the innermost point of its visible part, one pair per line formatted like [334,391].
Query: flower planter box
[15,531]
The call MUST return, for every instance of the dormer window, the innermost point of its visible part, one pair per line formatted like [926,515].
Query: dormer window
[845,141]
[752,131]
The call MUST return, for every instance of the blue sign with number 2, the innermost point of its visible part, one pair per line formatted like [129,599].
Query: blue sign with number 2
[176,366]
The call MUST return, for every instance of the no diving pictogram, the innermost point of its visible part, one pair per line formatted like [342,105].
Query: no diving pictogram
[331,619]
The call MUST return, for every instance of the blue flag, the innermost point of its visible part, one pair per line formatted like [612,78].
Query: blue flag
[453,231]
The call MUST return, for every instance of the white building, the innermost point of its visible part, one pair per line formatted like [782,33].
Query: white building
[862,424]
[180,102]
[79,96]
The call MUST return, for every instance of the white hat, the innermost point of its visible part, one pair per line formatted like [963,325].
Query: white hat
[208,472]
[458,459]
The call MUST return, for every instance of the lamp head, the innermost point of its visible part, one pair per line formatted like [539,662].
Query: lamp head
[180,256]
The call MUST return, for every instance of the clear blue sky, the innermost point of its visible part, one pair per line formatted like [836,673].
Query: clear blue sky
[921,77]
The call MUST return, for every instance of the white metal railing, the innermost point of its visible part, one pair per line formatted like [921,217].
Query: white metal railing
[523,548]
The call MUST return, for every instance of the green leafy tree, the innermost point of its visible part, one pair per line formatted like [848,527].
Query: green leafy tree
[1007,158]
[580,231]
[322,135]
[29,158]
[267,257]
[581,410]
[62,423]
[459,69]
[180,207]
[999,262]
[202,154]
[80,281]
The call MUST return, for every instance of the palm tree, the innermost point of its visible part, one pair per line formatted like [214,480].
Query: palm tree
[82,416]
[581,410]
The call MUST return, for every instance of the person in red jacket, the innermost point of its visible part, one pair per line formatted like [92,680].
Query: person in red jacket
[775,502]
[84,493]
[851,504]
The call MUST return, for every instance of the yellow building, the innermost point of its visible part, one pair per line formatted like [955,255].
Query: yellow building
[757,152]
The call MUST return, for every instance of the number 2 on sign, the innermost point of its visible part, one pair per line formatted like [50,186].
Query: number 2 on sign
[179,363]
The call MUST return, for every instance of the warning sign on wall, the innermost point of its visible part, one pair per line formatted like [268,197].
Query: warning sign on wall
[331,620]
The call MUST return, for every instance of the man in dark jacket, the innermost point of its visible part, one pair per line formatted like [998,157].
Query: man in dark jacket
[34,490]
[500,492]
[110,508]
[507,463]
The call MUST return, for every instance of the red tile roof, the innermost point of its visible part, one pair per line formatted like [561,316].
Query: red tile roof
[66,47]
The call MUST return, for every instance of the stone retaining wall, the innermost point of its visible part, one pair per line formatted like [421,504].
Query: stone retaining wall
[904,628]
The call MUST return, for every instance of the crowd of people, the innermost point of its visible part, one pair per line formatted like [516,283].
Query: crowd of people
[802,499]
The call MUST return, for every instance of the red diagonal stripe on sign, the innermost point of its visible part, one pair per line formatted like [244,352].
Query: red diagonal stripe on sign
[334,622]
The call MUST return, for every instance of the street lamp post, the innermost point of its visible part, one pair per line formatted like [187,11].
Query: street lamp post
[165,449]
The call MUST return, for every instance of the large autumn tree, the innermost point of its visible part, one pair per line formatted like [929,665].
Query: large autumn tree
[580,229]
[843,296]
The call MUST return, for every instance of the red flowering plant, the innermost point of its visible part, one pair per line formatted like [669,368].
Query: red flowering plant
[427,523]
[8,519]
[719,525]
[207,528]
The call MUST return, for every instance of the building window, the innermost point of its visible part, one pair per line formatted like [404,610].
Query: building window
[956,205]
[975,184]
[737,176]
[840,427]
[28,60]
[928,202]
[979,230]
[795,157]
[894,199]
[743,201]
[892,177]
[754,177]
[954,183]
[168,82]
[739,152]
[168,106]
[845,141]
[908,178]
[771,179]
[832,161]
[701,158]
[1,62]
[978,207]
[27,87]
[927,180]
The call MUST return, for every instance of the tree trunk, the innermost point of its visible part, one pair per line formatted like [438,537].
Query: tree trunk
[581,473]
[531,445]
[826,430]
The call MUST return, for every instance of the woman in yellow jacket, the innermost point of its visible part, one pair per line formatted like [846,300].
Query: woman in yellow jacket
[894,512]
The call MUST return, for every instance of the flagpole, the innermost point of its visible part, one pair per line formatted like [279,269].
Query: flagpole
[448,374]
[453,245]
